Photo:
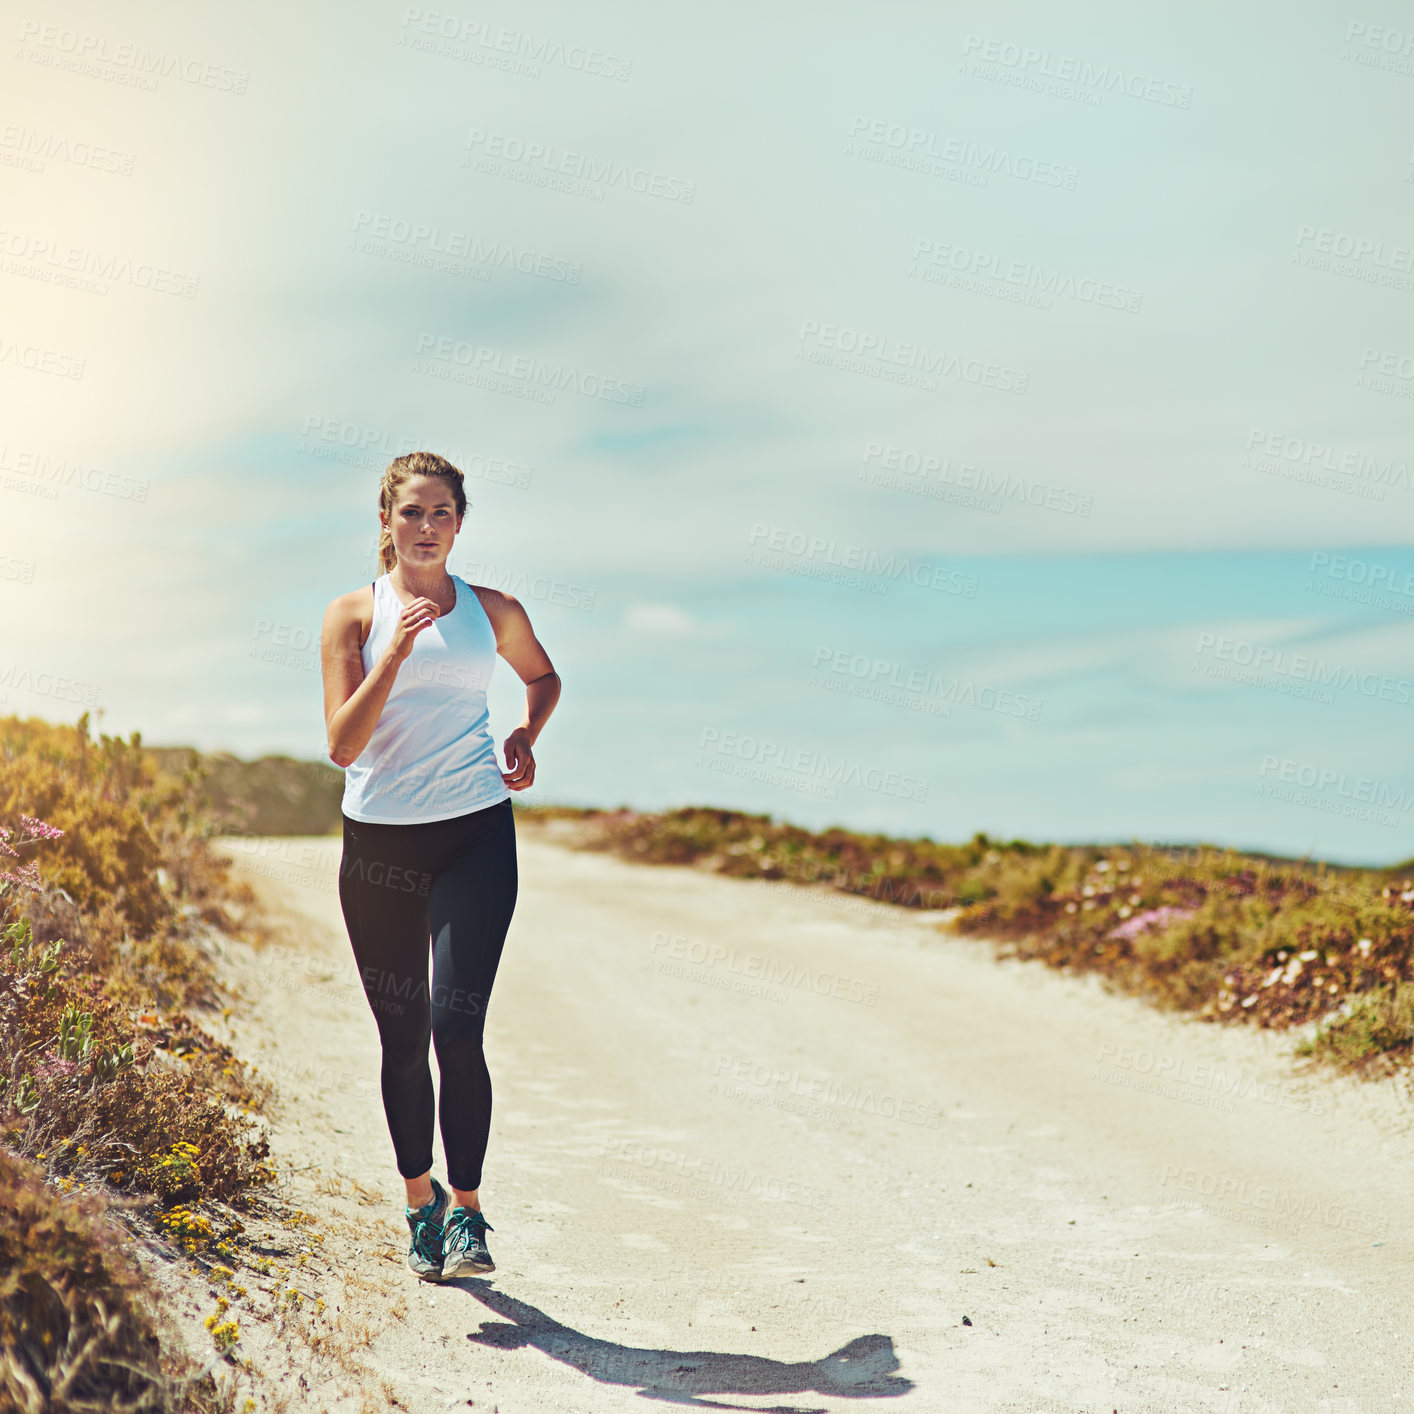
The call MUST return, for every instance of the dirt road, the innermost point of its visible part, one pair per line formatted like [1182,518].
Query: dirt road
[757,1146]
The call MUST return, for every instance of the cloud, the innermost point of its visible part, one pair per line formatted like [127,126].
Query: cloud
[665,620]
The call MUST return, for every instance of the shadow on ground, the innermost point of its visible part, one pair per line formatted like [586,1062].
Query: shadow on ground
[862,1368]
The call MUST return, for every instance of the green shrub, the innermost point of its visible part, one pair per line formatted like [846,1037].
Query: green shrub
[79,1330]
[78,1087]
[103,924]
[1376,1036]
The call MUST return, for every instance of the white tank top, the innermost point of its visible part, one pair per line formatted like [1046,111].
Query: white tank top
[430,756]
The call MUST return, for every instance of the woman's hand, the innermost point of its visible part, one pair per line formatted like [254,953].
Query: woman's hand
[516,749]
[413,619]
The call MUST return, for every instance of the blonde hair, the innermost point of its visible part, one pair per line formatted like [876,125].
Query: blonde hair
[401,470]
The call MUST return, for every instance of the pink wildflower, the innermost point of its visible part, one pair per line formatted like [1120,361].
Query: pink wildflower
[1150,918]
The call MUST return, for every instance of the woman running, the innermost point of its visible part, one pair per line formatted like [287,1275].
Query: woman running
[429,856]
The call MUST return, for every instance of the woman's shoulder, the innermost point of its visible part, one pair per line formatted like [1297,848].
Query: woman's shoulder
[353,599]
[500,606]
[492,600]
[353,607]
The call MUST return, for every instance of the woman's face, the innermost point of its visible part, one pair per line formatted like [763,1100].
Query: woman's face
[424,521]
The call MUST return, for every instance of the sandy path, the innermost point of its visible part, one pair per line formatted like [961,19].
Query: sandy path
[719,1191]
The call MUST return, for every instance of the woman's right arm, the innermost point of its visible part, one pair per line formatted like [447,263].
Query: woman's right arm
[353,702]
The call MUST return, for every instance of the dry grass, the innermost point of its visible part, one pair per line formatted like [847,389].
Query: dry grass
[105,1076]
[110,901]
[78,1329]
[1374,1037]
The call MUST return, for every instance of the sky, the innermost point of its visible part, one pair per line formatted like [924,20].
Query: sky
[919,418]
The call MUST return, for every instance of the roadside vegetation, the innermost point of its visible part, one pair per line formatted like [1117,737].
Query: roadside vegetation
[124,1123]
[271,795]
[78,1328]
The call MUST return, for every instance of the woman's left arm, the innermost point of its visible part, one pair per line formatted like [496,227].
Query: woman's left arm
[517,644]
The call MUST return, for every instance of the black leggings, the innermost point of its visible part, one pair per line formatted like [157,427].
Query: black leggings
[453,883]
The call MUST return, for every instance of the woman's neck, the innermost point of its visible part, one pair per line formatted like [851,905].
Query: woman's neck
[432,582]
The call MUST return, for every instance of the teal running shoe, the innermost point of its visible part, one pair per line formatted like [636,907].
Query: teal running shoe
[464,1244]
[425,1251]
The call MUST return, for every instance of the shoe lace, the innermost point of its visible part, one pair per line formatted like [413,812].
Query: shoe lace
[465,1226]
[426,1240]
[427,1235]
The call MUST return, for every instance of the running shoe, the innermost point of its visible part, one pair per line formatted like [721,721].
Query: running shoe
[425,1251]
[464,1244]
